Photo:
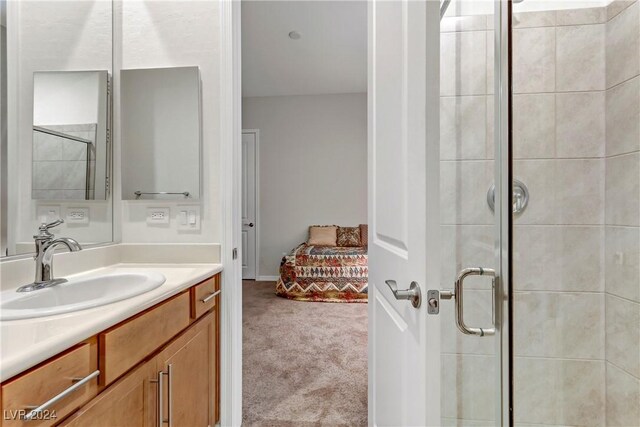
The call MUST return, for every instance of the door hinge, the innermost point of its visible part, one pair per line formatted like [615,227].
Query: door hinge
[234,253]
[433,302]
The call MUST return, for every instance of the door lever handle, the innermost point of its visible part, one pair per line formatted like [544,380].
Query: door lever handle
[413,293]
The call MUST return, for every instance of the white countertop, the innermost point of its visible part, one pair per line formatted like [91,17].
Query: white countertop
[25,343]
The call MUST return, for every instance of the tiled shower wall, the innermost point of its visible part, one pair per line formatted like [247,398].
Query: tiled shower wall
[622,215]
[577,286]
[60,165]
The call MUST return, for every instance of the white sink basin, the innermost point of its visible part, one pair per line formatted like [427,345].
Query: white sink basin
[78,293]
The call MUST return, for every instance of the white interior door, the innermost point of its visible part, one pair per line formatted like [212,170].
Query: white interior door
[249,201]
[404,341]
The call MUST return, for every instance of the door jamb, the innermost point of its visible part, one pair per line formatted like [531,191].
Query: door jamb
[256,132]
[230,115]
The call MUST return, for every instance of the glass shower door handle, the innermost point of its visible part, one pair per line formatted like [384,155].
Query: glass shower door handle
[458,292]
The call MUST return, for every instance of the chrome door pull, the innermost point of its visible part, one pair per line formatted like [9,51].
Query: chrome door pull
[458,293]
[413,293]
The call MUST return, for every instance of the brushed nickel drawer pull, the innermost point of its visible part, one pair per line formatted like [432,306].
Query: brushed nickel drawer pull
[210,297]
[79,382]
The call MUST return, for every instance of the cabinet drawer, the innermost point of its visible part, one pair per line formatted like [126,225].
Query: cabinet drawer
[51,380]
[202,296]
[125,345]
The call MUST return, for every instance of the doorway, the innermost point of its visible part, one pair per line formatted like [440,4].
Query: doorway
[250,200]
[304,213]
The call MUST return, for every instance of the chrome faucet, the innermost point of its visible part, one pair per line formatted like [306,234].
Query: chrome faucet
[45,248]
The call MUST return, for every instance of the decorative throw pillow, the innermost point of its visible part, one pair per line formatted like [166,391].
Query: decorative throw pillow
[348,236]
[322,235]
[364,234]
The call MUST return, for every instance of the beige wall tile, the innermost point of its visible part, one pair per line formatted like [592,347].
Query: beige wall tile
[534,53]
[623,118]
[463,122]
[463,246]
[463,186]
[623,398]
[622,262]
[581,16]
[580,58]
[534,126]
[623,334]
[558,258]
[463,65]
[580,124]
[623,46]
[490,61]
[545,18]
[623,190]
[561,325]
[468,386]
[540,178]
[554,391]
[617,6]
[490,126]
[580,191]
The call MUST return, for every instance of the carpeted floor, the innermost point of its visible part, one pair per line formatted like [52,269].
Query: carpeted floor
[305,363]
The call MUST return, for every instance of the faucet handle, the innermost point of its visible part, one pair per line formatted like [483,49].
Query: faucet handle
[43,230]
[44,226]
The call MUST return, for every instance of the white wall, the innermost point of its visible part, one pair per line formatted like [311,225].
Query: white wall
[313,167]
[159,34]
[67,98]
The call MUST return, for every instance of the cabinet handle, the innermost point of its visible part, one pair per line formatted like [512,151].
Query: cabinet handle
[160,381]
[79,382]
[209,297]
[170,394]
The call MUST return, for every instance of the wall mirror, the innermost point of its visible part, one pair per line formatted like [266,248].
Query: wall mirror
[56,59]
[161,129]
[70,120]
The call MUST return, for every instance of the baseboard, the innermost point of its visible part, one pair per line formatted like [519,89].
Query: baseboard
[267,278]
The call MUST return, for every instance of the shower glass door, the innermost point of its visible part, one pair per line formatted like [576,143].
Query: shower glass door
[474,214]
[576,279]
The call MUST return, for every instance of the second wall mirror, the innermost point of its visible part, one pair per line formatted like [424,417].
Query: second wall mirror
[161,133]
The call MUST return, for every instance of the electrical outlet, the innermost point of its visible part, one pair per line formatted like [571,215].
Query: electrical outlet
[158,216]
[77,216]
[48,213]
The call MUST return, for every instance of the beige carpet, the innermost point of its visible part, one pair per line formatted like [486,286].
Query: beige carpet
[305,363]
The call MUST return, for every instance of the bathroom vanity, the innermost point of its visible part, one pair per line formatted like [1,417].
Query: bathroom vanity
[147,361]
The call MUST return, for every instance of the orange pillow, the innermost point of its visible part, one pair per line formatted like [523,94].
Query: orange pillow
[326,235]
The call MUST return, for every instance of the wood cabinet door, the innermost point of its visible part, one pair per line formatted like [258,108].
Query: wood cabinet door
[189,391]
[130,402]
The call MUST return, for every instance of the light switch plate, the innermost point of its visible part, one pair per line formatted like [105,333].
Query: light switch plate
[188,217]
[77,216]
[48,213]
[158,216]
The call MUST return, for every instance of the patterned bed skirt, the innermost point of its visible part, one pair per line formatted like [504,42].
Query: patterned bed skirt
[324,273]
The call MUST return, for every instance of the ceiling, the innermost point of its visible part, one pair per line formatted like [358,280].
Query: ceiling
[330,57]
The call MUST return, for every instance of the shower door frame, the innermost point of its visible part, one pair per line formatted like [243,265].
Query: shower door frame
[503,221]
